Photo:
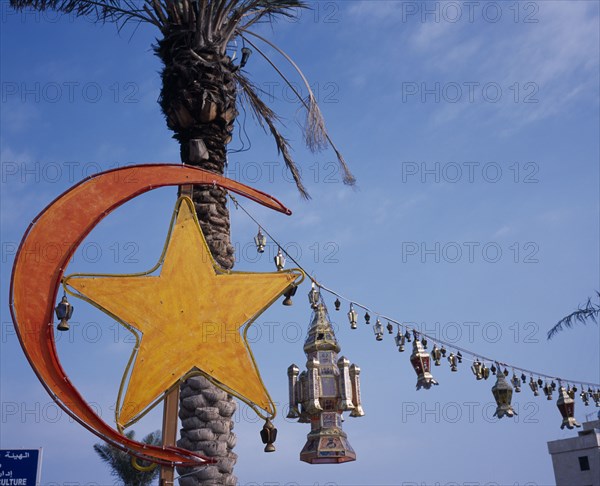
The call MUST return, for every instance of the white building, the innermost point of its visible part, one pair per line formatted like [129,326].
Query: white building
[576,460]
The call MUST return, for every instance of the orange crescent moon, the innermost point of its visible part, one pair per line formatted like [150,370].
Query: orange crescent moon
[35,280]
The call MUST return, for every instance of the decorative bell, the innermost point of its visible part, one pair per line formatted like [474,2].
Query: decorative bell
[516,383]
[436,354]
[453,360]
[477,369]
[260,241]
[337,304]
[534,387]
[289,293]
[367,318]
[566,406]
[378,330]
[268,434]
[313,296]
[352,317]
[64,311]
[390,328]
[279,260]
[502,392]
[420,361]
[400,340]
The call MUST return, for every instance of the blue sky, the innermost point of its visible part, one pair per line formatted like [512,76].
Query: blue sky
[472,129]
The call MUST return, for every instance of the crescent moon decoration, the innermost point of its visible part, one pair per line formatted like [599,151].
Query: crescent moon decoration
[36,280]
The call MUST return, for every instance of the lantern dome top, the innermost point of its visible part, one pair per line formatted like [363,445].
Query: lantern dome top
[320,335]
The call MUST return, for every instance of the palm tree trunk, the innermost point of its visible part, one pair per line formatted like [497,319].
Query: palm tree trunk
[198,99]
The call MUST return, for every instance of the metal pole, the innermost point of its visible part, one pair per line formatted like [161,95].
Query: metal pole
[169,433]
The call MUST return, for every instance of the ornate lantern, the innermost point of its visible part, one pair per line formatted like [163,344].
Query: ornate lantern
[436,354]
[313,296]
[260,241]
[420,361]
[320,395]
[453,360]
[268,434]
[566,406]
[485,372]
[353,317]
[516,383]
[279,260]
[502,392]
[337,304]
[378,330]
[390,328]
[585,398]
[477,369]
[534,387]
[400,340]
[547,391]
[64,311]
[289,294]
[596,397]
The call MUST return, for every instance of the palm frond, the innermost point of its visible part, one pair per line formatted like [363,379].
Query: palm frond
[582,315]
[315,131]
[120,462]
[265,115]
[118,11]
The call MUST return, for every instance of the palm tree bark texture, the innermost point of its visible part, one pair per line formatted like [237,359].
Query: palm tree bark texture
[198,99]
[199,95]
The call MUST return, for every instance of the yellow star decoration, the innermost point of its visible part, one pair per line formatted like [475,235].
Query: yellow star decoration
[190,316]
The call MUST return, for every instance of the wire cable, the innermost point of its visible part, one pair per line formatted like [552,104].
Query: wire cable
[470,355]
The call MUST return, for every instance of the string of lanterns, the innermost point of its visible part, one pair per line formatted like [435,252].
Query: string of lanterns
[420,358]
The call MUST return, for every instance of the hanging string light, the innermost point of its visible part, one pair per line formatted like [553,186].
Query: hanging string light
[421,363]
[421,359]
[566,406]
[279,260]
[260,241]
[502,392]
[453,360]
[337,304]
[400,339]
[313,296]
[436,354]
[534,387]
[516,383]
[353,317]
[378,330]
[477,369]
